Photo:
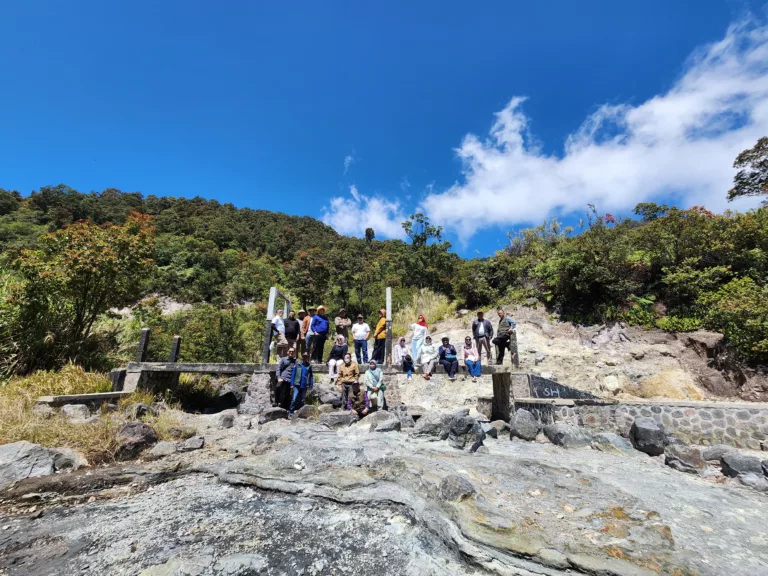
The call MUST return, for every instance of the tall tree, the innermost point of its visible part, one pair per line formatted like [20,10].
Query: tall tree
[752,177]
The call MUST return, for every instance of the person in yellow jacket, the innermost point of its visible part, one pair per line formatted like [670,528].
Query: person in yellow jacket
[380,338]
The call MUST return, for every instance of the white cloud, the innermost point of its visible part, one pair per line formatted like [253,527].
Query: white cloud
[404,184]
[680,143]
[351,216]
[348,161]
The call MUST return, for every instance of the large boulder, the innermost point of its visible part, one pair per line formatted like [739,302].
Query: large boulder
[382,421]
[524,425]
[338,419]
[684,458]
[454,488]
[161,450]
[76,411]
[756,481]
[272,414]
[21,460]
[734,464]
[231,392]
[132,438]
[306,412]
[190,444]
[647,436]
[433,426]
[490,430]
[714,453]
[258,397]
[465,432]
[567,436]
[610,442]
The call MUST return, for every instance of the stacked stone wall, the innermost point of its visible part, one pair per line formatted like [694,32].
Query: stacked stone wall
[740,425]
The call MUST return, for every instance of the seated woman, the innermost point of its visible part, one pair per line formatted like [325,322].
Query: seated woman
[357,401]
[336,357]
[374,384]
[471,359]
[448,358]
[428,357]
[399,352]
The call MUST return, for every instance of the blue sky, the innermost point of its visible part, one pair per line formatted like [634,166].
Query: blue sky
[488,116]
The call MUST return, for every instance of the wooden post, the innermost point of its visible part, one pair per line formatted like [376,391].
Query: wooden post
[175,349]
[141,353]
[268,330]
[388,353]
[502,386]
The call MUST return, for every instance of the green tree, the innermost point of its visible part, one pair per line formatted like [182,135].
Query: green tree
[752,177]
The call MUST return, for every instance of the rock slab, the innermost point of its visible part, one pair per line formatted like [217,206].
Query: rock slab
[21,460]
[524,425]
[684,458]
[647,436]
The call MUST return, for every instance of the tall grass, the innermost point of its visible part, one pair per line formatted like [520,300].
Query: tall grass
[96,440]
[435,307]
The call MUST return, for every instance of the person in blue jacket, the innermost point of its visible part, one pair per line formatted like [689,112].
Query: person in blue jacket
[320,326]
[302,380]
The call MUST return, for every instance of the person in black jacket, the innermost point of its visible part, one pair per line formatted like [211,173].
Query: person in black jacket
[283,387]
[336,357]
[292,330]
[482,332]
[448,358]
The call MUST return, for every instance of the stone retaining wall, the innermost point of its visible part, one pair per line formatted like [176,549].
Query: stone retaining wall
[737,424]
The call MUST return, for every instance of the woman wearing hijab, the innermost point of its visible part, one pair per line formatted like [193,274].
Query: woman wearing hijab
[471,359]
[380,338]
[336,357]
[374,384]
[399,352]
[420,331]
[428,357]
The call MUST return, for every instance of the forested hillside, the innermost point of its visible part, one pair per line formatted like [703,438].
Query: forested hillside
[66,257]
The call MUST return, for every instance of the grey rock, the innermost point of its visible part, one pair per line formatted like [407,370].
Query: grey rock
[307,411]
[138,410]
[325,408]
[68,459]
[607,566]
[567,436]
[610,442]
[332,399]
[433,426]
[684,458]
[764,463]
[524,425]
[638,355]
[500,425]
[258,396]
[132,438]
[460,413]
[43,410]
[76,411]
[390,426]
[466,432]
[455,488]
[734,463]
[539,358]
[181,432]
[647,436]
[272,414]
[161,450]
[553,558]
[240,565]
[490,430]
[21,460]
[194,443]
[338,419]
[231,393]
[382,421]
[407,421]
[226,420]
[756,481]
[714,453]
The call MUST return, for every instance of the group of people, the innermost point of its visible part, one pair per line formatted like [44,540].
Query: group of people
[306,337]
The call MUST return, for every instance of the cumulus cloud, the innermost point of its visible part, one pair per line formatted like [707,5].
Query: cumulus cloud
[681,143]
[348,161]
[351,216]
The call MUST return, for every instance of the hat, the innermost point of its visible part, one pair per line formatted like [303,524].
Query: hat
[342,310]
[321,308]
[372,362]
[360,316]
[444,338]
[312,308]
[302,312]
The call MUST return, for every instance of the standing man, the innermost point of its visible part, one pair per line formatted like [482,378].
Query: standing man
[360,333]
[506,338]
[349,373]
[342,324]
[278,329]
[284,372]
[380,338]
[320,327]
[306,327]
[301,343]
[482,332]
[292,330]
[302,380]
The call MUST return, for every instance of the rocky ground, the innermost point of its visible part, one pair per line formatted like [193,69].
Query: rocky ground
[622,361]
[323,497]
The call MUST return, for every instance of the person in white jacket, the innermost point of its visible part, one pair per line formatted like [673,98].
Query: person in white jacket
[428,357]
[399,351]
[420,331]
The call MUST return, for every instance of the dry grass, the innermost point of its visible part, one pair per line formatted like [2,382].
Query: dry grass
[435,307]
[96,441]
[673,384]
